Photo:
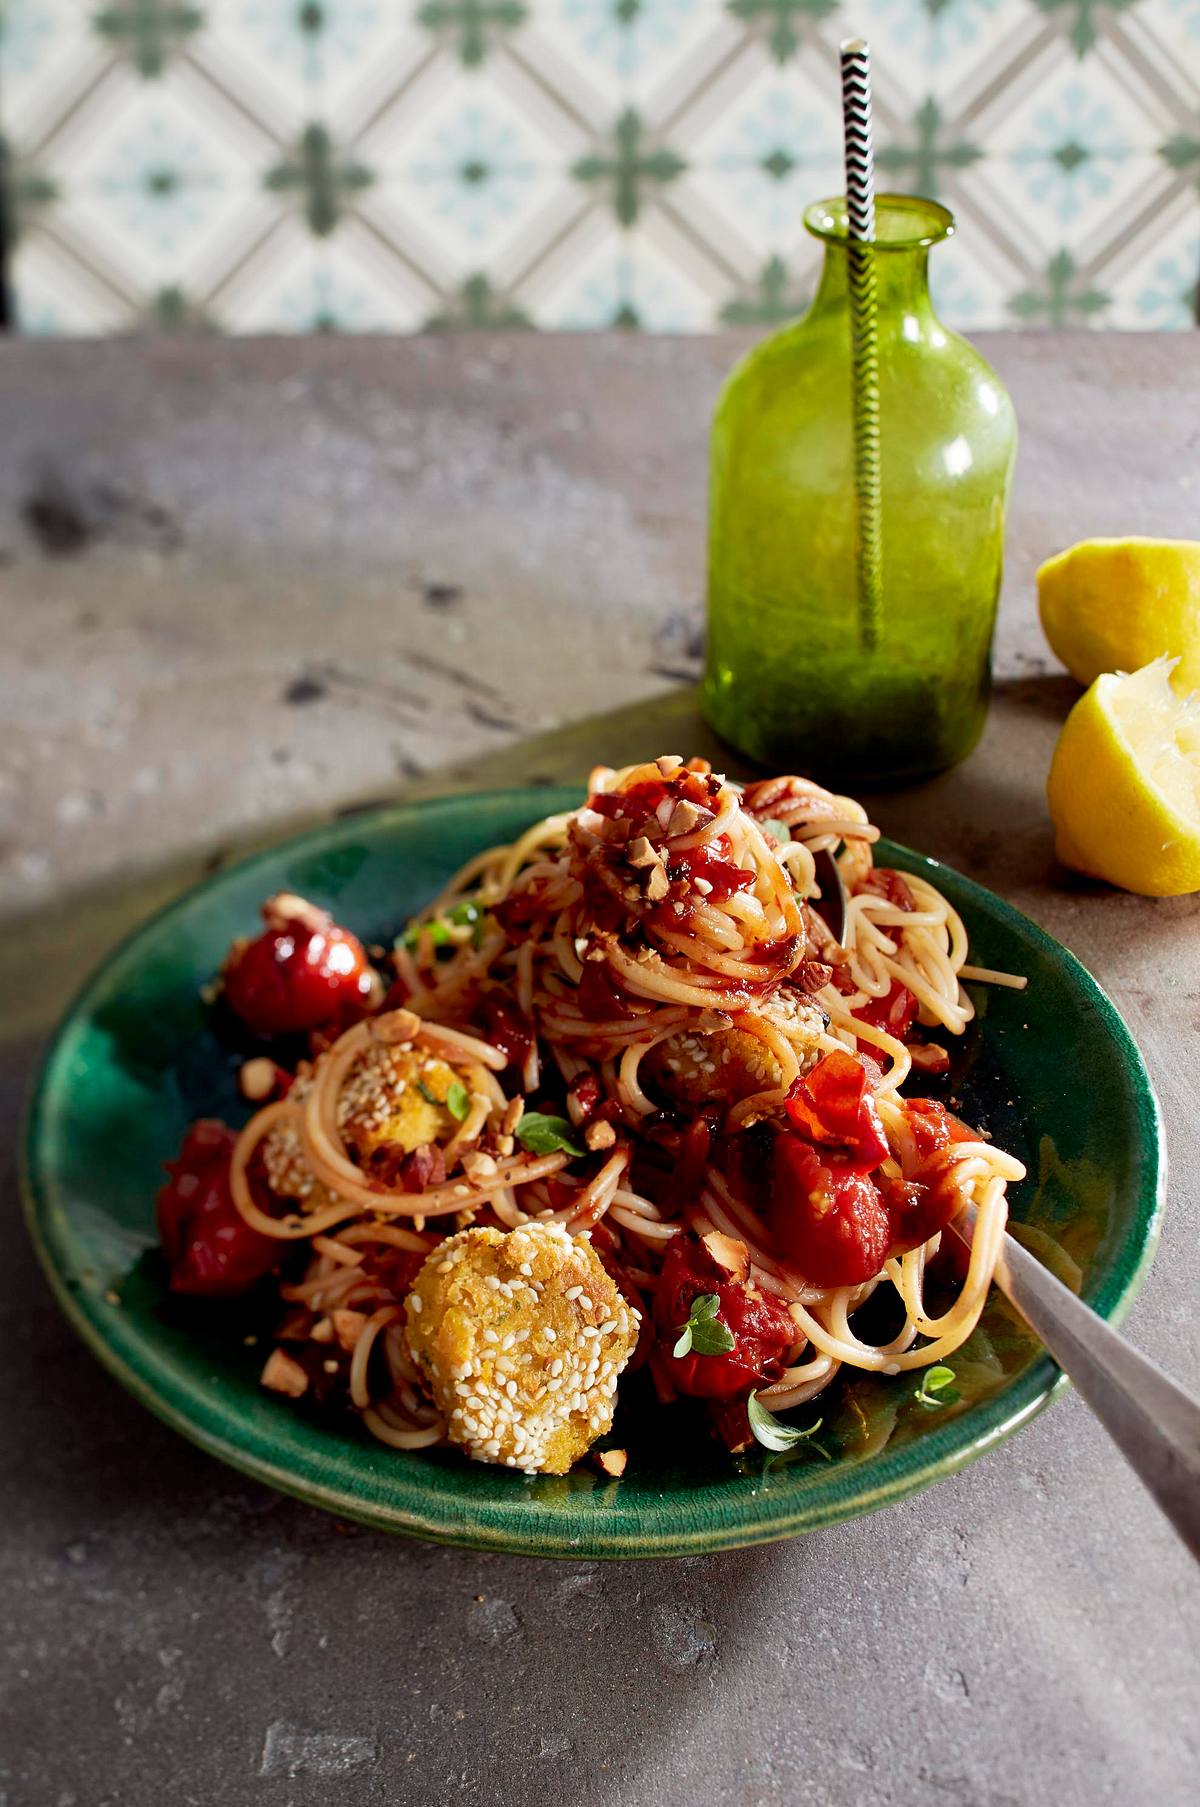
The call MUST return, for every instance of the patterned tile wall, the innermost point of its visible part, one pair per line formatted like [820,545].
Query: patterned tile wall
[255,166]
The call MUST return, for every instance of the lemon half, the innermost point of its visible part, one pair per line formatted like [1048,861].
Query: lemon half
[1124,785]
[1114,605]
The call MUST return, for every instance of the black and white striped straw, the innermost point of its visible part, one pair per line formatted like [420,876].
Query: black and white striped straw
[860,218]
[860,154]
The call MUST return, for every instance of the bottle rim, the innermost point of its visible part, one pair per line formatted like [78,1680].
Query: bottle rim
[902,222]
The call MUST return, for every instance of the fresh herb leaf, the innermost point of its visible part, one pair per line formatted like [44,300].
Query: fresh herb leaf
[546,1135]
[780,830]
[458,1101]
[464,915]
[437,931]
[773,1433]
[427,1095]
[704,1333]
[710,1337]
[936,1380]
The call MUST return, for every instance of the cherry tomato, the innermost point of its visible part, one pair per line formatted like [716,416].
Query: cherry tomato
[303,972]
[933,1127]
[924,1204]
[762,1327]
[833,1104]
[896,1011]
[212,1250]
[917,1210]
[893,887]
[829,1219]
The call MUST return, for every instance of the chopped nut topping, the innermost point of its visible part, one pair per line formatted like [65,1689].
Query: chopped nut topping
[322,1331]
[728,1252]
[512,1116]
[256,1081]
[283,1375]
[286,907]
[657,886]
[669,764]
[612,1462]
[479,1167]
[684,817]
[642,852]
[397,1026]
[599,1135]
[348,1327]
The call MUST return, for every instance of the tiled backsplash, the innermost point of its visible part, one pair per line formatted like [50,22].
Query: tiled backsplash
[283,165]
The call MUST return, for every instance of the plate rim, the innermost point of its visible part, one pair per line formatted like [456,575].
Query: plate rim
[946,1451]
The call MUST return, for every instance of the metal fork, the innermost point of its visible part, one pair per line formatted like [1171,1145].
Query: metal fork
[1153,1421]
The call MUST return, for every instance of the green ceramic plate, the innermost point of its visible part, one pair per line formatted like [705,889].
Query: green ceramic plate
[1051,1072]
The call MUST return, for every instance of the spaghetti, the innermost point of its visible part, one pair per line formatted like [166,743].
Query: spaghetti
[635,1026]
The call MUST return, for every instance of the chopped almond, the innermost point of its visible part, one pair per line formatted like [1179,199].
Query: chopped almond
[322,1331]
[599,1135]
[479,1168]
[512,1116]
[728,1252]
[684,817]
[669,764]
[347,1327]
[257,1079]
[283,1375]
[286,907]
[612,1462]
[642,852]
[396,1025]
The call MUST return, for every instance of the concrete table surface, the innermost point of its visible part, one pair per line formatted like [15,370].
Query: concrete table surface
[243,584]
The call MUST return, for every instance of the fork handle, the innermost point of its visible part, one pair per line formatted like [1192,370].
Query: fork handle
[1153,1421]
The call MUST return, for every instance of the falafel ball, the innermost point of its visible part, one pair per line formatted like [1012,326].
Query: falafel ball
[520,1336]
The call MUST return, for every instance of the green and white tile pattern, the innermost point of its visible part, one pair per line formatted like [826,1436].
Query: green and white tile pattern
[366,165]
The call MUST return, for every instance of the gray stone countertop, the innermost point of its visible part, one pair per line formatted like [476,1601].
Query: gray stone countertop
[245,583]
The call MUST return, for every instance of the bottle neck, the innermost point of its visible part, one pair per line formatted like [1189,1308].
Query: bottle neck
[901,287]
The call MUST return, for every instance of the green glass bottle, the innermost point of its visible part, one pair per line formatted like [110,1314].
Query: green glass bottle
[789,680]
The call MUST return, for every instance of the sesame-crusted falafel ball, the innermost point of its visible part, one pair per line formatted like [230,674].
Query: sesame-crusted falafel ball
[695,1068]
[521,1337]
[394,1096]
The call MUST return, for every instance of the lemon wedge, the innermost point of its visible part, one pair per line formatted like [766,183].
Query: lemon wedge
[1113,605]
[1124,784]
